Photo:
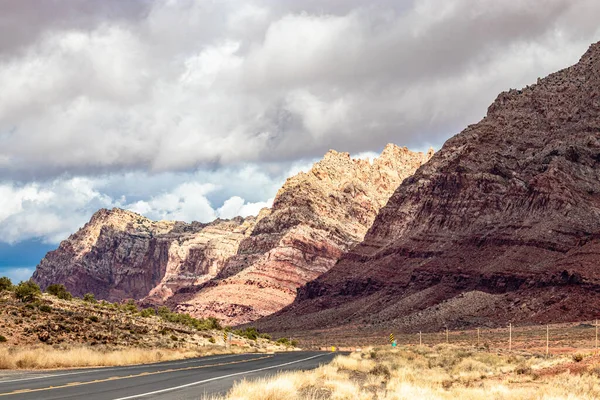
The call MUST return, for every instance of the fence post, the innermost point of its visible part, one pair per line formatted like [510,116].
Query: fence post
[420,339]
[447,336]
[596,336]
[547,339]
[510,337]
[477,337]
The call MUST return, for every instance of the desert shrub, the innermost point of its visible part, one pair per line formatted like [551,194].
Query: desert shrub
[523,369]
[188,320]
[27,291]
[577,357]
[381,370]
[2,339]
[5,284]
[45,308]
[265,336]
[147,312]
[59,291]
[130,306]
[174,338]
[249,333]
[294,343]
[211,340]
[283,340]
[94,318]
[89,297]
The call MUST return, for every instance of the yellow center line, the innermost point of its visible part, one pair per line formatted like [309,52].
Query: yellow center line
[115,378]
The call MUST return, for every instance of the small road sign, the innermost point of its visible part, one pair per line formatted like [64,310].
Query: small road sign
[225,336]
[391,337]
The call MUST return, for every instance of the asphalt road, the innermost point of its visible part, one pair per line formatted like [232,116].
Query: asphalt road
[185,379]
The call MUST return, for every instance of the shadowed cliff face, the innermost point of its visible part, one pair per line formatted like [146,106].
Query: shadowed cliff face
[237,270]
[502,224]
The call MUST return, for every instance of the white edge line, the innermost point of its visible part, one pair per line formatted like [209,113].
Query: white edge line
[216,378]
[125,367]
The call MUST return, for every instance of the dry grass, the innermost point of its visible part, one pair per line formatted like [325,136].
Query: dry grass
[440,373]
[44,357]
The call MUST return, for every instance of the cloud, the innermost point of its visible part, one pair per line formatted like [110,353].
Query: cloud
[17,274]
[194,110]
[173,86]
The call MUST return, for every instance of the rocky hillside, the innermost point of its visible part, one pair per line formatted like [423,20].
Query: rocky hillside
[316,217]
[236,270]
[120,254]
[501,225]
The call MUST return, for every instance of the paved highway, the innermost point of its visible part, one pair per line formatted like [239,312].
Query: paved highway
[185,379]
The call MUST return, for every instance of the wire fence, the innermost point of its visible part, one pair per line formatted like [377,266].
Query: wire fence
[541,339]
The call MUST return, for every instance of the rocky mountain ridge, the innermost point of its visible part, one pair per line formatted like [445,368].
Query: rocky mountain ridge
[501,225]
[237,270]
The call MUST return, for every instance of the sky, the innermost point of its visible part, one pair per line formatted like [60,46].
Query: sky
[193,110]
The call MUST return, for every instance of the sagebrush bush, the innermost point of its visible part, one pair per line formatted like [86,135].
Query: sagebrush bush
[59,291]
[2,339]
[89,297]
[27,291]
[45,308]
[5,284]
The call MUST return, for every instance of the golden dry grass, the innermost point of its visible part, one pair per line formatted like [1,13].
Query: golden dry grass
[440,373]
[44,357]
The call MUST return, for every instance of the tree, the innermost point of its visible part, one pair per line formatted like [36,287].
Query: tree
[5,284]
[27,291]
[89,297]
[59,291]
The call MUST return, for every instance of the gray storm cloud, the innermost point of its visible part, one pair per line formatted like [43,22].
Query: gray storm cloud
[94,92]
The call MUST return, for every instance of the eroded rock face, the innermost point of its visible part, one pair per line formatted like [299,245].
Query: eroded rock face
[501,225]
[315,218]
[120,254]
[236,270]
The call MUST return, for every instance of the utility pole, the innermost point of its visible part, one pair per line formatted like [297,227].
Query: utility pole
[477,337]
[510,337]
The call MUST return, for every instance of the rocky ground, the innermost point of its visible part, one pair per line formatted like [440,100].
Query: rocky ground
[65,323]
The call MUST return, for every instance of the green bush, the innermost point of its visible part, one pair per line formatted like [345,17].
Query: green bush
[147,312]
[249,333]
[5,284]
[59,291]
[45,308]
[283,340]
[211,340]
[89,297]
[174,338]
[188,320]
[577,357]
[27,291]
[2,339]
[131,306]
[94,318]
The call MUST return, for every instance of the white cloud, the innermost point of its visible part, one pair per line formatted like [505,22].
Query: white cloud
[187,84]
[17,274]
[194,110]
[235,206]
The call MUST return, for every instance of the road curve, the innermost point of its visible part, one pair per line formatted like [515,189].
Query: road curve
[181,380]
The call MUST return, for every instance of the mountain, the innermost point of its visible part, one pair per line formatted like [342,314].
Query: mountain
[501,225]
[236,270]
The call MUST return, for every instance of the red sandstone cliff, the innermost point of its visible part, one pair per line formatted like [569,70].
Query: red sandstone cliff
[502,224]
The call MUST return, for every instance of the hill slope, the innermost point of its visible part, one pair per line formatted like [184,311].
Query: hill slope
[502,224]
